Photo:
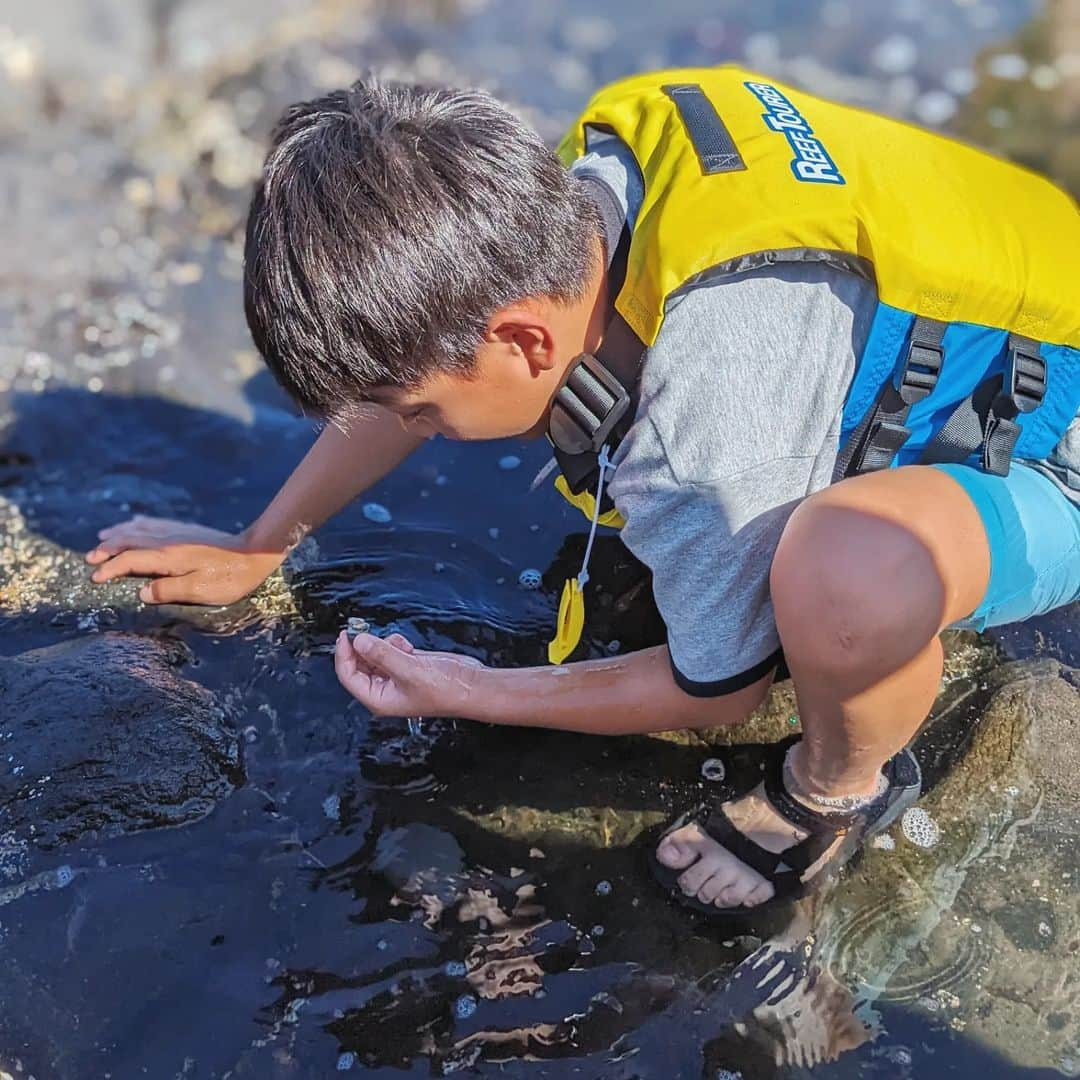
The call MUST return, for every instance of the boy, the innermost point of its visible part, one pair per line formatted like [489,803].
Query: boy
[786,297]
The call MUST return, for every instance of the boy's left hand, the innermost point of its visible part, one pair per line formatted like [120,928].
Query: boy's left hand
[391,678]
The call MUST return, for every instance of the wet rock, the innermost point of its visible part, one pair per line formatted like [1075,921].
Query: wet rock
[39,576]
[981,930]
[103,734]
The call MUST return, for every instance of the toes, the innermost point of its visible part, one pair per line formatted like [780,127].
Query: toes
[675,854]
[732,894]
[706,867]
[737,892]
[758,895]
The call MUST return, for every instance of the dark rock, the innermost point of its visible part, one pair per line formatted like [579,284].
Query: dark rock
[103,734]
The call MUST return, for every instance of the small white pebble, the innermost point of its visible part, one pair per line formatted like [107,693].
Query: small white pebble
[883,842]
[712,769]
[530,579]
[377,513]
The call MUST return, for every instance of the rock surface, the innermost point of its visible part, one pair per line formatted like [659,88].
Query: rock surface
[102,734]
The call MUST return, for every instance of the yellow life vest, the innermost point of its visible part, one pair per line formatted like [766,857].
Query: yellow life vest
[951,232]
[741,171]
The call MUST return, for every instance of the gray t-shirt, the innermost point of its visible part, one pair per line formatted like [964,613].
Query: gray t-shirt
[739,420]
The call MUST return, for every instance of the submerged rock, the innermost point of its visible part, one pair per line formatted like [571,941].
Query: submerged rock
[103,734]
[981,930]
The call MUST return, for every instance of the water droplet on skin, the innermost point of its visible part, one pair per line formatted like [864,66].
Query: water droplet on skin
[377,513]
[530,579]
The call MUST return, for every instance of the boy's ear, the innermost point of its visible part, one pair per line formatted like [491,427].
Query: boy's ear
[526,332]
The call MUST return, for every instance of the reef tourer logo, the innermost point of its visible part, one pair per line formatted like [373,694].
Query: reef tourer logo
[812,162]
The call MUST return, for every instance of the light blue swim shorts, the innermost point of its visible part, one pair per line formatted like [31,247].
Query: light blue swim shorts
[1034,532]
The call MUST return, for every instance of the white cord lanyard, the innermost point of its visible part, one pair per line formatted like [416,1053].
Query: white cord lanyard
[604,462]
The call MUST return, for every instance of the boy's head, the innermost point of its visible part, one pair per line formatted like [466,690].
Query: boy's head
[423,249]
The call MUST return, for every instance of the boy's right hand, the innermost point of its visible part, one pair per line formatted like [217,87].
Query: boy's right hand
[191,564]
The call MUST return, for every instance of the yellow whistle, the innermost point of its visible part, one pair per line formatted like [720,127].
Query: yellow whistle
[570,624]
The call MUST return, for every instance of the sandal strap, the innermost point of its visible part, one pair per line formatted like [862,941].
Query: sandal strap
[830,824]
[782,869]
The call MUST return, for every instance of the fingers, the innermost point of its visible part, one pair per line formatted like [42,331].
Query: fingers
[380,657]
[344,659]
[138,523]
[357,681]
[138,532]
[399,641]
[171,590]
[140,562]
[106,550]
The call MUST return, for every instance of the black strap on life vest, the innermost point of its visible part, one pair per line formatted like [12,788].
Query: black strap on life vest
[985,422]
[882,431]
[595,404]
[715,148]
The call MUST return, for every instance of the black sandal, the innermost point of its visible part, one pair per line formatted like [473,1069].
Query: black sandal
[787,870]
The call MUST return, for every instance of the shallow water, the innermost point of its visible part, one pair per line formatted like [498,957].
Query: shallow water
[392,899]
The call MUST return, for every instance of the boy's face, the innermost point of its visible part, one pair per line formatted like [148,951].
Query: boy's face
[503,397]
[519,368]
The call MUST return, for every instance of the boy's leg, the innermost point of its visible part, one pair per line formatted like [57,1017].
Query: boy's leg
[868,572]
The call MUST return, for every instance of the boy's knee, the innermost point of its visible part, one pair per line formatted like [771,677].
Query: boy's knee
[852,589]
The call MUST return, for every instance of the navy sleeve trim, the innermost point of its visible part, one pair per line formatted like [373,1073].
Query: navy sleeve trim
[729,685]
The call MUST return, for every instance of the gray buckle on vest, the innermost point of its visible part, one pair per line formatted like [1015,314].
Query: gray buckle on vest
[1024,381]
[587,407]
[921,370]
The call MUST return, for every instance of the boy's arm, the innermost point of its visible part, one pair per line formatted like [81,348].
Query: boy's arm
[623,696]
[193,564]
